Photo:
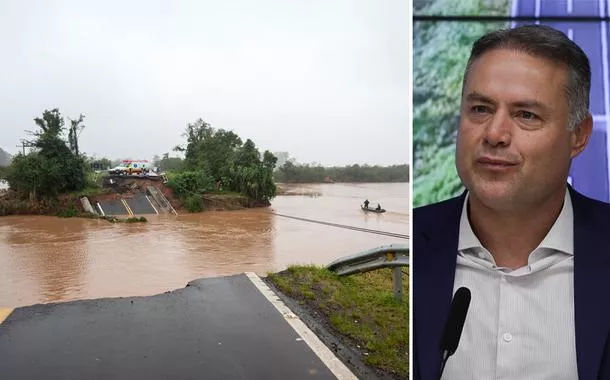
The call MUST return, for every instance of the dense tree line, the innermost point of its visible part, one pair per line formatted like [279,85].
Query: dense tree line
[216,157]
[54,164]
[292,172]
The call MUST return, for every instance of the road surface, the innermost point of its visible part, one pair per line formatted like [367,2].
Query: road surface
[138,205]
[219,328]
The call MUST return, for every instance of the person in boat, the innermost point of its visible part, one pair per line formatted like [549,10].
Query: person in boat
[366,203]
[378,207]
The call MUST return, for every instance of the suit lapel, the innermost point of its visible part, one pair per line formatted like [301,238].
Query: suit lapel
[591,283]
[436,251]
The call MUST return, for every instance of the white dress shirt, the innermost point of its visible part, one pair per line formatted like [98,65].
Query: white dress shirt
[520,324]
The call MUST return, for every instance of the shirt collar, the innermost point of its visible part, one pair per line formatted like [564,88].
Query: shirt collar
[560,237]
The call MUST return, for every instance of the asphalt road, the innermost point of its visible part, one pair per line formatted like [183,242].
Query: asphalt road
[140,205]
[221,328]
[113,208]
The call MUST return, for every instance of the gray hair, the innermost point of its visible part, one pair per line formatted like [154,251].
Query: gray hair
[553,45]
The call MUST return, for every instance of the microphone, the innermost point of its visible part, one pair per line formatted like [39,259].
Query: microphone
[454,325]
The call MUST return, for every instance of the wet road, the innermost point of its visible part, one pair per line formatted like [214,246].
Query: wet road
[221,328]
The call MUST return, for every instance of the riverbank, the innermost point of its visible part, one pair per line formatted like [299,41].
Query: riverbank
[13,203]
[357,316]
[69,205]
[296,189]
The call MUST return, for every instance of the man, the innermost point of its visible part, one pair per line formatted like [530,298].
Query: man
[534,253]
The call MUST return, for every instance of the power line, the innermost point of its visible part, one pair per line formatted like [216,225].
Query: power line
[359,229]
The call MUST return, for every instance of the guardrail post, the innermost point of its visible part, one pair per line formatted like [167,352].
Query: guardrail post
[397,280]
[392,256]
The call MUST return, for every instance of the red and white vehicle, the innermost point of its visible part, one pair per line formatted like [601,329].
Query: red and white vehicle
[131,167]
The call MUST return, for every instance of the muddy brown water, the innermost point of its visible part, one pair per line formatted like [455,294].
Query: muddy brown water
[48,259]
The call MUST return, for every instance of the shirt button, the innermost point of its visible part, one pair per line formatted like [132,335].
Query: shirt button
[507,337]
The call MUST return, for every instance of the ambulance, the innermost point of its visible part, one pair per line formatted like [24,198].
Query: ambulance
[132,167]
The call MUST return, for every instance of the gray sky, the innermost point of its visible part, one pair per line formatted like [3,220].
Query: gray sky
[325,80]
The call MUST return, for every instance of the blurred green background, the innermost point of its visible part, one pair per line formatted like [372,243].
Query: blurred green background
[440,52]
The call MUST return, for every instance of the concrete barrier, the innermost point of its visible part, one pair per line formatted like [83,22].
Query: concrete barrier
[87,205]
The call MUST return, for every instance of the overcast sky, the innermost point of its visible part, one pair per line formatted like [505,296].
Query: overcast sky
[325,80]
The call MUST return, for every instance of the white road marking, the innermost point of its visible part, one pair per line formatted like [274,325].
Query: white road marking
[153,206]
[333,363]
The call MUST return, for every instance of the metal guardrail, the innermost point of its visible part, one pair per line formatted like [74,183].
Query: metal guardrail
[160,199]
[386,256]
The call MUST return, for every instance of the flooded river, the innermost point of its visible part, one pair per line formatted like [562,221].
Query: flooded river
[48,259]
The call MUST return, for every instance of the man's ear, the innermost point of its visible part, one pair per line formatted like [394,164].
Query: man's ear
[580,136]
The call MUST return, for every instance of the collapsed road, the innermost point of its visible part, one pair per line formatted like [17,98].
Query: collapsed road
[216,328]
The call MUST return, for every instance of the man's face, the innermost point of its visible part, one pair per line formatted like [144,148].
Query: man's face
[514,146]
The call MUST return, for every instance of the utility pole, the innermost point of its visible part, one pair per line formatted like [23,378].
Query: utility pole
[24,144]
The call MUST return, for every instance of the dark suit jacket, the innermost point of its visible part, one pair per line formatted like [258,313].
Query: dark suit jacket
[435,242]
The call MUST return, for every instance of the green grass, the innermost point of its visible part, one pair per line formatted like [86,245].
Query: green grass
[361,307]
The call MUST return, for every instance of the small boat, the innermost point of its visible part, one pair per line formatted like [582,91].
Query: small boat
[372,209]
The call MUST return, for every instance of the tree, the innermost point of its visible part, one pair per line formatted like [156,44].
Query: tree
[75,129]
[51,123]
[52,167]
[247,155]
[221,155]
[269,160]
[210,147]
[26,174]
[292,172]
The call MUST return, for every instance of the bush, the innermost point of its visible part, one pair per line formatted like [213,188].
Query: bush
[67,213]
[188,183]
[136,220]
[194,203]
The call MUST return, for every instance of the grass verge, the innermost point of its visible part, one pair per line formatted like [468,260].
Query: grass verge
[360,307]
